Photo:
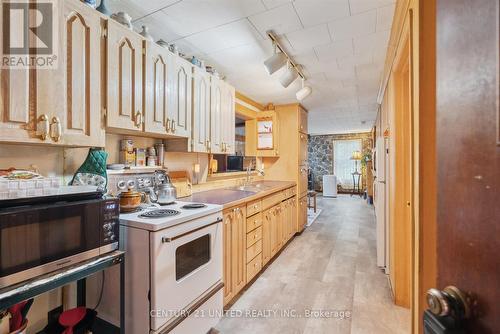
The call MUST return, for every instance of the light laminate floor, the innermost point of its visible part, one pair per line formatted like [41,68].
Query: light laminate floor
[331,268]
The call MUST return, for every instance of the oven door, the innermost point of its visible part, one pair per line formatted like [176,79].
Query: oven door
[38,239]
[186,261]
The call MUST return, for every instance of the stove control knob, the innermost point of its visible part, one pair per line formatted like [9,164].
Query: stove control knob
[131,184]
[121,185]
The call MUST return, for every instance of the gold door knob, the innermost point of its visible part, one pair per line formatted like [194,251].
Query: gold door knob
[55,129]
[451,301]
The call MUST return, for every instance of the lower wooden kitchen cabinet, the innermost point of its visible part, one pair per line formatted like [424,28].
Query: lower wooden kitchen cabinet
[235,243]
[255,232]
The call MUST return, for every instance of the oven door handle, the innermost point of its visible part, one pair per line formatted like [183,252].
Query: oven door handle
[170,239]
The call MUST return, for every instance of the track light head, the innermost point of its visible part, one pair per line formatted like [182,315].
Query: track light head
[275,62]
[304,92]
[288,76]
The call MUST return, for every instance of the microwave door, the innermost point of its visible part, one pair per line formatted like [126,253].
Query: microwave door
[40,239]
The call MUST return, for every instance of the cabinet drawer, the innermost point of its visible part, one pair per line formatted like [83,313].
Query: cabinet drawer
[271,200]
[254,207]
[254,236]
[253,267]
[254,250]
[254,222]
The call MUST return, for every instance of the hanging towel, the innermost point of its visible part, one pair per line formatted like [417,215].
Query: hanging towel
[93,170]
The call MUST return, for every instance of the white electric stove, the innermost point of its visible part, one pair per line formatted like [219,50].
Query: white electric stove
[173,267]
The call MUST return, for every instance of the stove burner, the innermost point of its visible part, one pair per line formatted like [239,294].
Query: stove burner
[160,213]
[167,204]
[194,206]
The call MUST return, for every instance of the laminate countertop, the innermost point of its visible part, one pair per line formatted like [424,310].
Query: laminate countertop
[229,197]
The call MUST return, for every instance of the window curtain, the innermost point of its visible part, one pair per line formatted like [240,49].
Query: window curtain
[343,166]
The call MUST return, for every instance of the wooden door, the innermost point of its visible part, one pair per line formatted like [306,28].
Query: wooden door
[70,95]
[266,235]
[201,111]
[124,78]
[275,230]
[216,116]
[181,89]
[302,186]
[228,252]
[238,255]
[158,62]
[302,214]
[464,241]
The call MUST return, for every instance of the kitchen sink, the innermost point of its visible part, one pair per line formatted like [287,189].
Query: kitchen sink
[252,189]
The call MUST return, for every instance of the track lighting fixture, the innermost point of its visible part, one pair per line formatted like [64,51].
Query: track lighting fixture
[304,92]
[275,62]
[288,76]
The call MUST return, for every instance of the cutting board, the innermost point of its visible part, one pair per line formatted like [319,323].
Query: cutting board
[180,180]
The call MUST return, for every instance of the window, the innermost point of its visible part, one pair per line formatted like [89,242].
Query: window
[343,166]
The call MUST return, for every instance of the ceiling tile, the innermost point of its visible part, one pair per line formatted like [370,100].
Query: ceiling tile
[384,17]
[275,3]
[227,36]
[330,52]
[192,16]
[306,39]
[358,6]
[313,12]
[281,20]
[371,43]
[348,63]
[353,26]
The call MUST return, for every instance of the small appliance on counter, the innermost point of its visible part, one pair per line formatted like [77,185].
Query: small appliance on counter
[43,234]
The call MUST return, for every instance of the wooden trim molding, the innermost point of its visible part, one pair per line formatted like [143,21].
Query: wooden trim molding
[248,100]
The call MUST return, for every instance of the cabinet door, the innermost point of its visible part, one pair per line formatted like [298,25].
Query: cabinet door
[157,66]
[238,232]
[302,219]
[124,78]
[302,180]
[303,121]
[227,237]
[266,235]
[17,123]
[71,94]
[216,116]
[181,88]
[293,223]
[228,119]
[275,235]
[201,111]
[303,149]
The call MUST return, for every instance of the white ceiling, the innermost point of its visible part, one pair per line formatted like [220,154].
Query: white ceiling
[341,45]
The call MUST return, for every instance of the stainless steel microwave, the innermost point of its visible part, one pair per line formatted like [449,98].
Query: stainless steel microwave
[40,235]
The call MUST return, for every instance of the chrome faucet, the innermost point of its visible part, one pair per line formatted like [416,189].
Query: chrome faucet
[249,169]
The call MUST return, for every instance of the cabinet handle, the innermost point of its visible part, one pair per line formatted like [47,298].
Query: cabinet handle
[173,125]
[208,144]
[223,147]
[277,152]
[301,136]
[167,125]
[55,129]
[138,119]
[43,126]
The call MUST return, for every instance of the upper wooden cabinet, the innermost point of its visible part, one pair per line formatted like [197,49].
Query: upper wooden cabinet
[267,134]
[201,111]
[303,120]
[180,89]
[222,117]
[228,119]
[216,116]
[63,105]
[124,87]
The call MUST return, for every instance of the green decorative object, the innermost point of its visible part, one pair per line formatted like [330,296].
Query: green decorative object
[93,170]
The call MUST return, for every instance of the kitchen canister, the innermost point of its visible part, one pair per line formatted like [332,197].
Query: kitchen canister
[160,149]
[145,33]
[103,8]
[91,3]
